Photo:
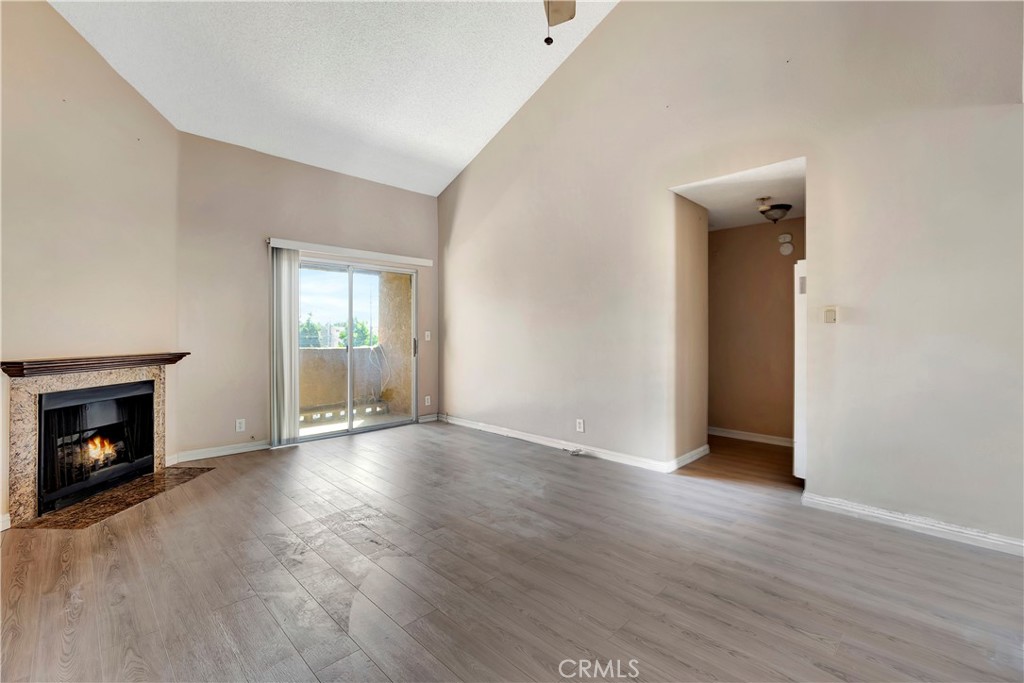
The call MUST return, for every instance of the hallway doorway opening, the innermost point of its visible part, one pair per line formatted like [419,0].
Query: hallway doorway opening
[756,342]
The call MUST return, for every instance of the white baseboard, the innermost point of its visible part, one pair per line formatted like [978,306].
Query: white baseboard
[603,453]
[217,451]
[427,418]
[750,436]
[687,458]
[5,521]
[924,525]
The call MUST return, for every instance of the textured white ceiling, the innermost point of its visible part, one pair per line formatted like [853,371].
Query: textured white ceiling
[403,93]
[731,200]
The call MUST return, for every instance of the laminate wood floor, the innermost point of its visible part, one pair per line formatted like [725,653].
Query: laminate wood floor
[437,553]
[759,464]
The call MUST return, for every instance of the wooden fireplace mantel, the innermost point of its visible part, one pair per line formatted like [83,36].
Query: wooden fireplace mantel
[63,366]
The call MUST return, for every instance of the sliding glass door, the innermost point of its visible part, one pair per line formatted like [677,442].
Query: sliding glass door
[323,349]
[383,348]
[356,356]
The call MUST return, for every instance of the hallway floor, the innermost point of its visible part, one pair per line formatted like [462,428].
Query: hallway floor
[745,462]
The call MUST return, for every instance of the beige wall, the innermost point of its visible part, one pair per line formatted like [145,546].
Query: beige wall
[231,200]
[915,397]
[560,284]
[691,327]
[89,203]
[105,251]
[750,285]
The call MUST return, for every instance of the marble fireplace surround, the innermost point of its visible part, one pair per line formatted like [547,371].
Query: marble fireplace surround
[29,379]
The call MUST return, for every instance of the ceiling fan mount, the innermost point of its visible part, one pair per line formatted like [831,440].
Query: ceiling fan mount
[558,12]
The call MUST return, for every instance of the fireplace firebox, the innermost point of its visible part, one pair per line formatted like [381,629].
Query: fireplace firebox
[93,439]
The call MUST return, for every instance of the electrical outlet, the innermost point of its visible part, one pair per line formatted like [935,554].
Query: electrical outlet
[240,424]
[580,427]
[426,336]
[426,400]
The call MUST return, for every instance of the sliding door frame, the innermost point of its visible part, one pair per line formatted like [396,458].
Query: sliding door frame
[351,267]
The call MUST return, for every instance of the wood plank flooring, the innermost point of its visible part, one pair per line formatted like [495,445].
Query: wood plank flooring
[739,461]
[437,553]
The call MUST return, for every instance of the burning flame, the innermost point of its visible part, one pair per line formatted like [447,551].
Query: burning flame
[100,447]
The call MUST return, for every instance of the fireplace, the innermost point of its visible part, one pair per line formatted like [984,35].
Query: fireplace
[91,439]
[31,379]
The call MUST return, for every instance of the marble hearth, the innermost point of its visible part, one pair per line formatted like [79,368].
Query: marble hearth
[30,379]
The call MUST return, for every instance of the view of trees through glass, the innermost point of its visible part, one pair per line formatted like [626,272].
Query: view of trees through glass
[323,301]
[315,335]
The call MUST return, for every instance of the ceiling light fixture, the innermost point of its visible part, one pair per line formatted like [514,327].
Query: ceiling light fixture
[772,212]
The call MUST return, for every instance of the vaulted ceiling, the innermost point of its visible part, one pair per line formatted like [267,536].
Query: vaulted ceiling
[402,93]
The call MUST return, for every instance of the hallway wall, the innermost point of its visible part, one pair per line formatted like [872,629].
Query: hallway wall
[750,328]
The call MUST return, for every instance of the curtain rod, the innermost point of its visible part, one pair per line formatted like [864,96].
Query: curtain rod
[349,253]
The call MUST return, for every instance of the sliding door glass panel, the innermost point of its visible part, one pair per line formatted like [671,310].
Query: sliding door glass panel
[382,348]
[323,350]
